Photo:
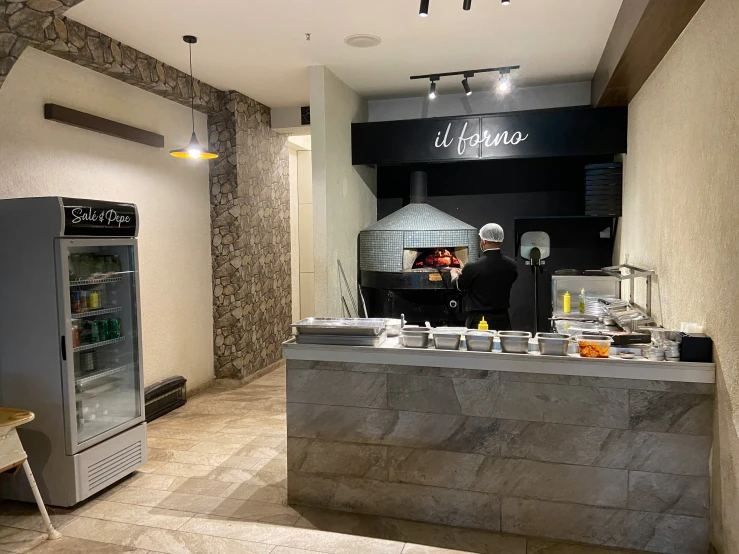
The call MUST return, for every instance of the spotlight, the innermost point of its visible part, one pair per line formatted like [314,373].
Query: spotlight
[505,2]
[432,90]
[466,86]
[424,11]
[466,5]
[504,84]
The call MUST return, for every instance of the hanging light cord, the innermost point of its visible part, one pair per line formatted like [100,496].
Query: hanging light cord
[192,92]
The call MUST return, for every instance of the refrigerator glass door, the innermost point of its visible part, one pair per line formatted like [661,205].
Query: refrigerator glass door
[100,313]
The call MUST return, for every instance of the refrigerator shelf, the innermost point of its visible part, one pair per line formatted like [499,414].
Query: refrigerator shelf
[98,344]
[94,313]
[95,281]
[98,374]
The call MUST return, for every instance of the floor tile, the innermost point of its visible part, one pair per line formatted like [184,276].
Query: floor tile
[137,515]
[187,457]
[176,469]
[72,545]
[167,443]
[321,541]
[150,481]
[160,540]
[19,540]
[243,462]
[151,466]
[25,515]
[203,487]
[275,494]
[217,447]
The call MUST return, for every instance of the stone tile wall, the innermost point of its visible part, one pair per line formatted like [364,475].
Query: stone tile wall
[250,214]
[41,24]
[612,462]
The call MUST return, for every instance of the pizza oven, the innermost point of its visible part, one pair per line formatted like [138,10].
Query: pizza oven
[405,260]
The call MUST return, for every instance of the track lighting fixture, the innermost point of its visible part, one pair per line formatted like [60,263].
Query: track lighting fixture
[504,85]
[466,87]
[466,5]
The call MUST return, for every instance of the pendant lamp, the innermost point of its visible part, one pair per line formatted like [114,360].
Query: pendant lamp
[193,150]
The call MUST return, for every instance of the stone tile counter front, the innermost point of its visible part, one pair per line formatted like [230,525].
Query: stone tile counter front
[519,444]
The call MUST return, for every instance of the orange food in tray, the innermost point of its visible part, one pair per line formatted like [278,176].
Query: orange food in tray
[594,350]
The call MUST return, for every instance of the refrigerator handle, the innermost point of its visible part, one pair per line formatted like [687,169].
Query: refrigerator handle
[64,349]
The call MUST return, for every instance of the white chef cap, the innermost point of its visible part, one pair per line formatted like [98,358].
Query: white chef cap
[492,232]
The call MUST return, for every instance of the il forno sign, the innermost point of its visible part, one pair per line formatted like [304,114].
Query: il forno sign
[543,133]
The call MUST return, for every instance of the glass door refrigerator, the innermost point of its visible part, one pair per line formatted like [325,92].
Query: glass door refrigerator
[70,343]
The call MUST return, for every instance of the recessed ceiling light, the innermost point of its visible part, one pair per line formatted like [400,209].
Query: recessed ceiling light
[363,41]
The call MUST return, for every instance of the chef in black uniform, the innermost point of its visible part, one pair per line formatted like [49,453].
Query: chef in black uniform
[487,282]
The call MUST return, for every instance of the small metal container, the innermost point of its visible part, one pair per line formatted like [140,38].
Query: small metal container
[415,338]
[514,342]
[480,341]
[393,327]
[553,344]
[447,340]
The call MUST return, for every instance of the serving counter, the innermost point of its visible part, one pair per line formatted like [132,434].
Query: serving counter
[599,451]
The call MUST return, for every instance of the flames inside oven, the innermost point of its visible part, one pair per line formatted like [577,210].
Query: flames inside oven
[434,258]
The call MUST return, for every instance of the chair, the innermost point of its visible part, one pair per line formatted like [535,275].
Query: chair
[12,457]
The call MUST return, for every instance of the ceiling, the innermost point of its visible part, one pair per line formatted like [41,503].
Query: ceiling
[258,47]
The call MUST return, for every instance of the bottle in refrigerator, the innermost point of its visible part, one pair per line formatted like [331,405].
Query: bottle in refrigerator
[103,330]
[114,328]
[75,301]
[94,332]
[77,326]
[84,300]
[94,300]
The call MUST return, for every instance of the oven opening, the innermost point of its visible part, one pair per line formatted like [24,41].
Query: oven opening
[432,259]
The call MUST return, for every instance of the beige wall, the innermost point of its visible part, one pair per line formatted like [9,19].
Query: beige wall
[42,158]
[305,223]
[344,196]
[681,214]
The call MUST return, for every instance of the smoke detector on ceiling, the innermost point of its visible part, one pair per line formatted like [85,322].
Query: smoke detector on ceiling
[363,41]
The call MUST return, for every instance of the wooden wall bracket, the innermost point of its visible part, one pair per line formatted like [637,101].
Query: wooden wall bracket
[68,116]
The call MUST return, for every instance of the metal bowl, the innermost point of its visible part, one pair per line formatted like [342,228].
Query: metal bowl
[553,344]
[514,342]
[480,341]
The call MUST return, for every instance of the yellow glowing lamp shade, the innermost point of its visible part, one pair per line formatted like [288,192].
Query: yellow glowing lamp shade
[194,151]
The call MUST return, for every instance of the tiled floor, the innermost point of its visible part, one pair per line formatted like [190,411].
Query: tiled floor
[215,483]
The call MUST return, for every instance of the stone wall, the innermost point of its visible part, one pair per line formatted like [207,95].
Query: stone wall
[40,24]
[612,462]
[250,210]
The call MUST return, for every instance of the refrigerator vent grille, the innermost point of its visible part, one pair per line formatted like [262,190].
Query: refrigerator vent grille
[103,472]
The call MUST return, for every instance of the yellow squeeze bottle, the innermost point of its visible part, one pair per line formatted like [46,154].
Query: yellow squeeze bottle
[567,302]
[483,325]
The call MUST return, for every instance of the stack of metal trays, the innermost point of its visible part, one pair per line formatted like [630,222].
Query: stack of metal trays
[340,331]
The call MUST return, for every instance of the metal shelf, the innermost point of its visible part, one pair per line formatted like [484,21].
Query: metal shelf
[81,282]
[98,374]
[98,344]
[97,312]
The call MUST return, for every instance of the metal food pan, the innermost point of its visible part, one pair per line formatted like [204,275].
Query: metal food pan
[340,340]
[339,326]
